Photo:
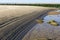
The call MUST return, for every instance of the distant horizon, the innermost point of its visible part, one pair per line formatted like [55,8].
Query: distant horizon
[30,1]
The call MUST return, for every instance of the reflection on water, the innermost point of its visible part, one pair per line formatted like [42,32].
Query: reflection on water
[58,11]
[52,17]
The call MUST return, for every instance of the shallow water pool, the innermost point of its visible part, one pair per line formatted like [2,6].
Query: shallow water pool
[52,17]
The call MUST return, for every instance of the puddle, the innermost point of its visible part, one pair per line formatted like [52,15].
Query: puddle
[52,17]
[58,11]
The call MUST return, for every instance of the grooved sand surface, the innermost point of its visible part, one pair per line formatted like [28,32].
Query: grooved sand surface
[43,32]
[9,11]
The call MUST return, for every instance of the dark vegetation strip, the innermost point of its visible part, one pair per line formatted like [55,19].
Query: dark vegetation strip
[45,5]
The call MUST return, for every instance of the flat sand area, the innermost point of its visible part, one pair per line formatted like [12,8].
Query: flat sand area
[53,13]
[9,11]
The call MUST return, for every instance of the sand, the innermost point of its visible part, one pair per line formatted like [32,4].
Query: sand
[9,11]
[53,13]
